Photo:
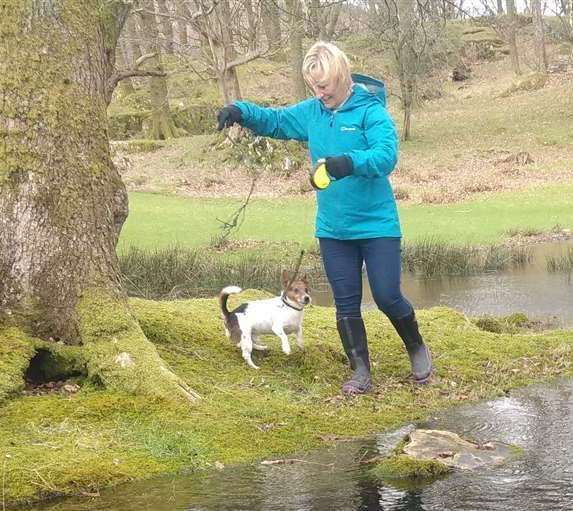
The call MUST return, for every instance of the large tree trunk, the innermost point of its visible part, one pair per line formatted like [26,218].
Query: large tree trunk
[62,202]
[163,126]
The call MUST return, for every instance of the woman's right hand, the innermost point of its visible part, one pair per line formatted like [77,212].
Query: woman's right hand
[228,116]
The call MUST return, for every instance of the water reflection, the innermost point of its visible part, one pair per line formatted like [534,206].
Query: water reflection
[531,290]
[538,419]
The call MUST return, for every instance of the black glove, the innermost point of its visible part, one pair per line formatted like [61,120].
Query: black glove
[228,116]
[339,167]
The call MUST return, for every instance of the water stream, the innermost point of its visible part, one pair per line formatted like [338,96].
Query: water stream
[539,419]
[530,289]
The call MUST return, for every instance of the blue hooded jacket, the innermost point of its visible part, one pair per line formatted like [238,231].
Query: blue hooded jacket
[361,205]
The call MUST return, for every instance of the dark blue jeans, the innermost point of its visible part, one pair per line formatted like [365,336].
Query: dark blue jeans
[343,261]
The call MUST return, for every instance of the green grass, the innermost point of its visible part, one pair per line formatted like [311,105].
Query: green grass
[70,444]
[157,221]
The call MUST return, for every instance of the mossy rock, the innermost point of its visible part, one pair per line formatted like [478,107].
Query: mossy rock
[514,323]
[402,466]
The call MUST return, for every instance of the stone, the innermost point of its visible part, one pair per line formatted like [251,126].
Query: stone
[454,451]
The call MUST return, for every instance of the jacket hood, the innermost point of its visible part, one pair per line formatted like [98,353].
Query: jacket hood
[360,96]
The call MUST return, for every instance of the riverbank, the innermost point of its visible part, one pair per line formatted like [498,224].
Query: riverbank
[75,440]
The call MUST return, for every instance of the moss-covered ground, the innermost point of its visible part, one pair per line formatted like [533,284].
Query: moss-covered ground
[77,443]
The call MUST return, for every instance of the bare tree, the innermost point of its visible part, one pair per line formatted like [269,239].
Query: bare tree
[540,53]
[410,30]
[323,18]
[181,15]
[163,126]
[271,19]
[563,9]
[230,36]
[296,33]
[511,34]
[165,27]
[62,202]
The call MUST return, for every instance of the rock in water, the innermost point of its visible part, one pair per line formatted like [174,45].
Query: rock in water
[454,451]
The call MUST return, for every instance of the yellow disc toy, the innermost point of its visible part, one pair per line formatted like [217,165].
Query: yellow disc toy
[319,178]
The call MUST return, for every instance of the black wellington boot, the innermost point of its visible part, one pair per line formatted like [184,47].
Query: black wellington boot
[353,336]
[420,358]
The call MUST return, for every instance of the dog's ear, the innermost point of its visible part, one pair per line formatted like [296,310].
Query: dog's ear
[284,279]
[304,278]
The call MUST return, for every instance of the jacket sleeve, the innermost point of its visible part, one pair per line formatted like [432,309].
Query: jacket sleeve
[289,123]
[382,154]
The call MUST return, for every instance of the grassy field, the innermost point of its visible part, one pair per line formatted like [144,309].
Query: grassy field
[160,220]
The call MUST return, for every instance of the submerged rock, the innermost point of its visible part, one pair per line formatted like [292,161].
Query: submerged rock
[454,451]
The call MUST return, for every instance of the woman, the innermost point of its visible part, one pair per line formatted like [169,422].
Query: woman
[357,219]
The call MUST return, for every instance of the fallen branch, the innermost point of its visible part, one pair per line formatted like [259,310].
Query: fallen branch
[289,461]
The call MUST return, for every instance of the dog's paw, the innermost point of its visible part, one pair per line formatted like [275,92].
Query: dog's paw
[260,347]
[286,349]
[251,364]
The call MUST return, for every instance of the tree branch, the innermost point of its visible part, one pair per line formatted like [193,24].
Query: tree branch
[251,55]
[122,74]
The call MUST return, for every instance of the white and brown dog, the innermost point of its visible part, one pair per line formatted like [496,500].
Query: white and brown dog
[281,315]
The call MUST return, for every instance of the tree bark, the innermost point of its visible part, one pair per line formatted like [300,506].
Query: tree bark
[182,13]
[131,37]
[165,27]
[334,14]
[314,21]
[125,86]
[540,53]
[512,36]
[272,27]
[162,127]
[62,202]
[406,64]
[228,78]
[296,54]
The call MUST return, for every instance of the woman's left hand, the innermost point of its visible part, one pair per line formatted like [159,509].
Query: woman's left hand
[339,166]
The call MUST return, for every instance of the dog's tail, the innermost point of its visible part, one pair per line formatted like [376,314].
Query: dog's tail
[223,297]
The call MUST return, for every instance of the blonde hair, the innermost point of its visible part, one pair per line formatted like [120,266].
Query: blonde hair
[325,61]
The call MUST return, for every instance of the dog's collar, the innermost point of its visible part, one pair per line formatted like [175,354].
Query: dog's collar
[284,300]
